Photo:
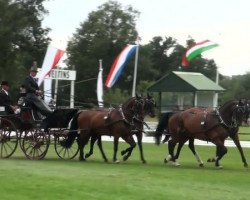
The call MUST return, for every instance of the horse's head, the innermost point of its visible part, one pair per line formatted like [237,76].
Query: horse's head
[149,106]
[241,112]
[235,112]
[133,107]
[138,106]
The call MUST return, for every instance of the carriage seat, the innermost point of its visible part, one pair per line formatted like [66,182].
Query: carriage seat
[28,106]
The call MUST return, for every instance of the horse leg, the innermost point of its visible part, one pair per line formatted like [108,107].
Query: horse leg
[92,142]
[221,150]
[130,140]
[82,141]
[99,143]
[237,143]
[212,159]
[81,146]
[139,141]
[170,156]
[192,148]
[116,140]
[180,145]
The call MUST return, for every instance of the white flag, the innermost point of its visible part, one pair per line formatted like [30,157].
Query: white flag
[100,86]
[52,57]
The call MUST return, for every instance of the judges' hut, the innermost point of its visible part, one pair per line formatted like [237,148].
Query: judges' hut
[180,90]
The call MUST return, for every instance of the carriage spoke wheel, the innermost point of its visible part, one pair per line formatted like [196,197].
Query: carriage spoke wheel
[35,144]
[8,138]
[62,151]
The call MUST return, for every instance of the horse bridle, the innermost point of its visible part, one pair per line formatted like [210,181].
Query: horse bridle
[138,106]
[145,105]
[235,123]
[243,109]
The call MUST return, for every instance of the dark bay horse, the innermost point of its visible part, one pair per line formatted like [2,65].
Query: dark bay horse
[112,122]
[209,125]
[137,129]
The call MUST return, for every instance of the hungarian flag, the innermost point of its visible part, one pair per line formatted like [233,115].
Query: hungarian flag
[52,57]
[196,50]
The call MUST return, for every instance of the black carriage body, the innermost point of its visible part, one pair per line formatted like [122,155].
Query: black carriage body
[33,132]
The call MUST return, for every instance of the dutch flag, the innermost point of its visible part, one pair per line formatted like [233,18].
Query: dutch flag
[119,64]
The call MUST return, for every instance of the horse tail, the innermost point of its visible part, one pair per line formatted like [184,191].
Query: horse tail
[162,125]
[72,134]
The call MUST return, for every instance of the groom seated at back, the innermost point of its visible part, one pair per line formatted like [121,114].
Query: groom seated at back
[33,93]
[5,100]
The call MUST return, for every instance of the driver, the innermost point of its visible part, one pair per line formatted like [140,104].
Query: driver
[33,93]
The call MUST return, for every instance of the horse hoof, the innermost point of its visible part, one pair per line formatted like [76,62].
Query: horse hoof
[176,164]
[165,160]
[125,158]
[219,167]
[123,152]
[246,165]
[116,161]
[144,161]
[106,161]
[210,160]
[82,159]
[201,165]
[87,155]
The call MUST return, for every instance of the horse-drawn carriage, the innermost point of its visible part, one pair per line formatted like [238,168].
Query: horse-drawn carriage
[35,134]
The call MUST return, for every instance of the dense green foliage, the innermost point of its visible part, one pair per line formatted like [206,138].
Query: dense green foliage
[22,39]
[101,36]
[53,178]
[237,87]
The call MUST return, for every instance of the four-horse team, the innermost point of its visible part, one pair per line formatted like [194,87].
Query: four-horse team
[71,130]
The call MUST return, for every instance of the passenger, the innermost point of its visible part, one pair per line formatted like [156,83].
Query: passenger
[5,99]
[33,93]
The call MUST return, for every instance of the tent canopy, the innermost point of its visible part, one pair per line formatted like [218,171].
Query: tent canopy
[177,81]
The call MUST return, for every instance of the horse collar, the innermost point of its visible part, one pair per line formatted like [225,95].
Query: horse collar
[223,122]
[123,116]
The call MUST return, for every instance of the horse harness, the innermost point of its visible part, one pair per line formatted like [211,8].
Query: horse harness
[230,127]
[136,118]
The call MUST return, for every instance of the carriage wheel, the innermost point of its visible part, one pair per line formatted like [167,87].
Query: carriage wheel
[35,144]
[8,138]
[62,151]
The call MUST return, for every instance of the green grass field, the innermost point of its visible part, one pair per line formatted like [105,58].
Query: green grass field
[53,178]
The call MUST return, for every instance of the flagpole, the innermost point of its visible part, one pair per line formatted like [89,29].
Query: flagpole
[216,93]
[135,69]
[100,85]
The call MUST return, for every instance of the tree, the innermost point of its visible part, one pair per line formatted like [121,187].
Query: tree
[102,36]
[162,55]
[22,39]
[236,87]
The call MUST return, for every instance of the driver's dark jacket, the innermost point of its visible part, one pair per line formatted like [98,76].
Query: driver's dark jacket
[30,85]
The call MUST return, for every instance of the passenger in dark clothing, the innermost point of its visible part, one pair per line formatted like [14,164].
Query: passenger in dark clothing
[33,93]
[5,100]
